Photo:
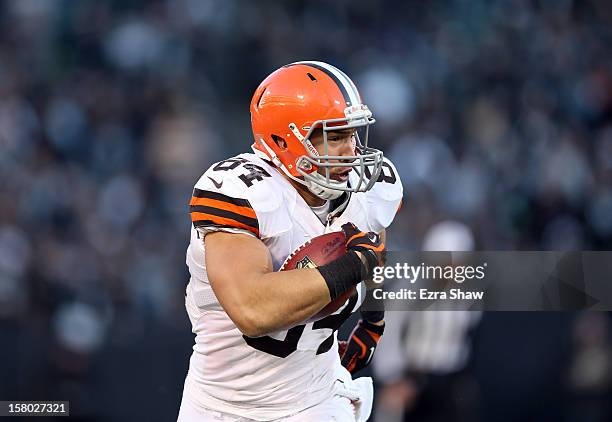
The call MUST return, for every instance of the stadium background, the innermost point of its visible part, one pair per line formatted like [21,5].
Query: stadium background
[498,115]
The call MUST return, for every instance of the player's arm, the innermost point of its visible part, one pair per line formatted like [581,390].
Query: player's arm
[376,318]
[239,266]
[357,352]
[260,301]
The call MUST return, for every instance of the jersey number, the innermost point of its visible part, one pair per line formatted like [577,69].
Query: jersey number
[255,172]
[383,176]
[283,348]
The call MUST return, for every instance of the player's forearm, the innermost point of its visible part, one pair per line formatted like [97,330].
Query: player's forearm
[279,300]
[284,299]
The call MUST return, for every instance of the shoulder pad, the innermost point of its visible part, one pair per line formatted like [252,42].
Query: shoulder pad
[241,186]
[385,197]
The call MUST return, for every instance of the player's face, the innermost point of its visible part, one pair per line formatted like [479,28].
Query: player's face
[340,143]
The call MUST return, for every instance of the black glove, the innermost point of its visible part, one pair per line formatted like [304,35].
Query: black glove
[369,244]
[361,346]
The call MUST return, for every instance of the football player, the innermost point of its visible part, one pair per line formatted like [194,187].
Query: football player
[311,172]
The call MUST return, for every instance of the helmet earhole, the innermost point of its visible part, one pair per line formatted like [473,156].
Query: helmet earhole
[282,144]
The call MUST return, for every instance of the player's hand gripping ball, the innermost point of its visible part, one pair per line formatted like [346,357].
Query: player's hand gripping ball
[367,243]
[318,251]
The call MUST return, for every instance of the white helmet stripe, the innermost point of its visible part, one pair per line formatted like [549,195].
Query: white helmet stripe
[344,83]
[350,82]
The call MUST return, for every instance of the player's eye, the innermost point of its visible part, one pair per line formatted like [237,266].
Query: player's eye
[340,138]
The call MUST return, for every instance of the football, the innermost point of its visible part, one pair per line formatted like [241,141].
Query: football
[319,251]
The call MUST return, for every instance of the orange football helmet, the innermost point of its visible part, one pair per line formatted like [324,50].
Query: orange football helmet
[294,101]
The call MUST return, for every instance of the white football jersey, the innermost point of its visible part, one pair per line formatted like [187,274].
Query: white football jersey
[273,376]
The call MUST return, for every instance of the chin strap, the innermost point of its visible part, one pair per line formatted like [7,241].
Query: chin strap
[271,155]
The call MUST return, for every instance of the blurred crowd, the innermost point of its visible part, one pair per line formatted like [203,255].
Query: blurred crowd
[497,114]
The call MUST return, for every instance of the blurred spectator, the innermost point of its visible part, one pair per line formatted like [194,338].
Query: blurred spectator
[589,376]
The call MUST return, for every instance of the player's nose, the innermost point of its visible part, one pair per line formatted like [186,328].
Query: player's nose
[347,148]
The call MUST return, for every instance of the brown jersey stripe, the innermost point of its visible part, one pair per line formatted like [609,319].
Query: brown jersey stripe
[223,221]
[246,211]
[199,193]
[209,223]
[224,213]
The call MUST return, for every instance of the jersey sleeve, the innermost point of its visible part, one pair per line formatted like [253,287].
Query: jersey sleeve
[212,211]
[218,203]
[385,198]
